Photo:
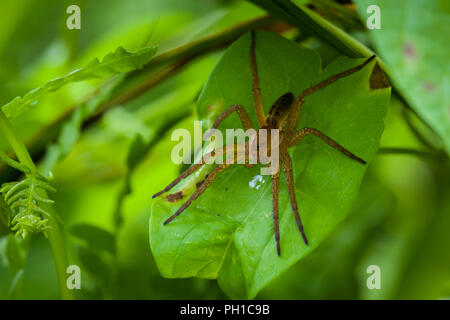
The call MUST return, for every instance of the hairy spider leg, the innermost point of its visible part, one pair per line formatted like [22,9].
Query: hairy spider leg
[275,196]
[225,150]
[182,176]
[321,85]
[257,98]
[300,134]
[211,176]
[243,116]
[209,179]
[287,167]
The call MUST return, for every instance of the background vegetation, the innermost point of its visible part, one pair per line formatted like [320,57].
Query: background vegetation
[104,133]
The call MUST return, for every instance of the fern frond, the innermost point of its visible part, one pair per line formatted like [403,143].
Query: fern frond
[25,202]
[13,163]
[25,224]
[5,214]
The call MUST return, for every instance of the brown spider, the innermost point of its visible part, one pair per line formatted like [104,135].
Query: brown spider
[284,115]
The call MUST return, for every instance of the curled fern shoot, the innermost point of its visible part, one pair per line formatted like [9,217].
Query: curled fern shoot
[25,202]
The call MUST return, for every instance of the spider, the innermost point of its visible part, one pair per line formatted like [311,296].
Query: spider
[283,115]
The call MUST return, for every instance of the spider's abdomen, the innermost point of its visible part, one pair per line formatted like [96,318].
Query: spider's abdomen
[279,112]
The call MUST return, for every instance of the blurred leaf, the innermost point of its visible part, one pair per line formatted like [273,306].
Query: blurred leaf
[101,272]
[419,265]
[13,163]
[5,217]
[71,128]
[137,151]
[297,13]
[228,232]
[93,262]
[95,237]
[3,244]
[331,271]
[16,284]
[113,63]
[413,41]
[139,276]
[15,253]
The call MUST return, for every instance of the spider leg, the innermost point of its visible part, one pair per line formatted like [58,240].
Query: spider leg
[245,119]
[185,174]
[211,176]
[195,167]
[334,78]
[255,85]
[287,167]
[323,84]
[240,151]
[245,157]
[299,135]
[275,196]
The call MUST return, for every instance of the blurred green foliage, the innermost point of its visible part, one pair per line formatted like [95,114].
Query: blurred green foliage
[399,221]
[412,43]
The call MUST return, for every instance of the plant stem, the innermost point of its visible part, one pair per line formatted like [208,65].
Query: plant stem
[407,151]
[297,13]
[415,131]
[55,235]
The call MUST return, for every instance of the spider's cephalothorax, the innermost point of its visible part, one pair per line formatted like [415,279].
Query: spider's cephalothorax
[278,115]
[284,115]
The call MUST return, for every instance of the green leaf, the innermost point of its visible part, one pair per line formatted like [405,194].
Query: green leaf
[113,63]
[93,262]
[5,217]
[13,253]
[413,41]
[298,14]
[228,232]
[16,284]
[13,164]
[16,254]
[3,244]
[160,122]
[25,200]
[71,128]
[95,237]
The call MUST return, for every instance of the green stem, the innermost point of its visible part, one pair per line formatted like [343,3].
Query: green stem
[55,235]
[340,39]
[415,131]
[407,151]
[298,14]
